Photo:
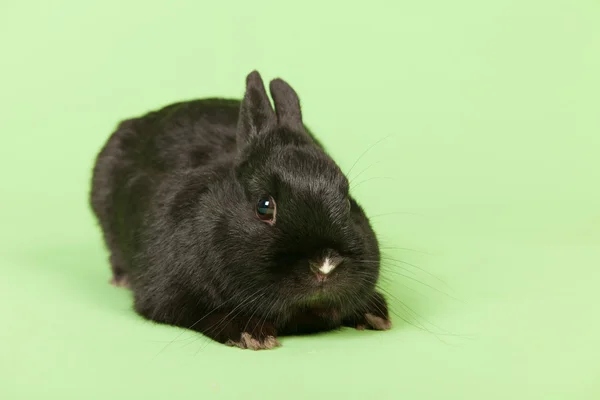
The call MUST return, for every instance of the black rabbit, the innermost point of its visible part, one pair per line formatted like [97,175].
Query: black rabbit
[230,219]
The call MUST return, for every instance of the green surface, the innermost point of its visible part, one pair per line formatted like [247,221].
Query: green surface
[491,172]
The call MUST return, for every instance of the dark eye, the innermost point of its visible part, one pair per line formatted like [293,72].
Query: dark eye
[348,204]
[265,209]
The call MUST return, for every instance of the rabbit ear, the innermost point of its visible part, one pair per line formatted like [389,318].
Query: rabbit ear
[256,113]
[287,104]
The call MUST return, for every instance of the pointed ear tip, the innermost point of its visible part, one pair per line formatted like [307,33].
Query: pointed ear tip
[281,86]
[253,77]
[277,82]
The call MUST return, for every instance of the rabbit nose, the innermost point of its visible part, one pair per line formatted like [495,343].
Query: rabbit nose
[325,267]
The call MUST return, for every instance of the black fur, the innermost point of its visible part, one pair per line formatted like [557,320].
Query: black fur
[175,192]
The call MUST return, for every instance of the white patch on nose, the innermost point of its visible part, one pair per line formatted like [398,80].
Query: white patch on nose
[327,266]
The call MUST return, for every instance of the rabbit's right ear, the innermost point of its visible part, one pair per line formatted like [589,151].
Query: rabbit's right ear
[287,104]
[256,114]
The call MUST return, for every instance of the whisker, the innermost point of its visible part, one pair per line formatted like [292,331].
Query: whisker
[225,320]
[418,325]
[404,248]
[383,264]
[414,313]
[426,285]
[365,152]
[386,263]
[185,330]
[239,306]
[419,268]
[352,180]
[416,316]
[397,213]
[268,313]
[250,318]
[353,187]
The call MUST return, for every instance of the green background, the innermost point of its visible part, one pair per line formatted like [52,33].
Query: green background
[487,183]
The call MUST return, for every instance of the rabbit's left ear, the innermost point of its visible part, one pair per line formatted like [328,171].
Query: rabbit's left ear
[256,114]
[287,104]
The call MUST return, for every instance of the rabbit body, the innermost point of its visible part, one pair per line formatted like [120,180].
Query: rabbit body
[229,218]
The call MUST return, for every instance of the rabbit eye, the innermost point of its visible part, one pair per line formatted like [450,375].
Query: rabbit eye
[265,209]
[348,204]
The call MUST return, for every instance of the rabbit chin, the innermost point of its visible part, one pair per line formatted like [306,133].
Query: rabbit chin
[321,294]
